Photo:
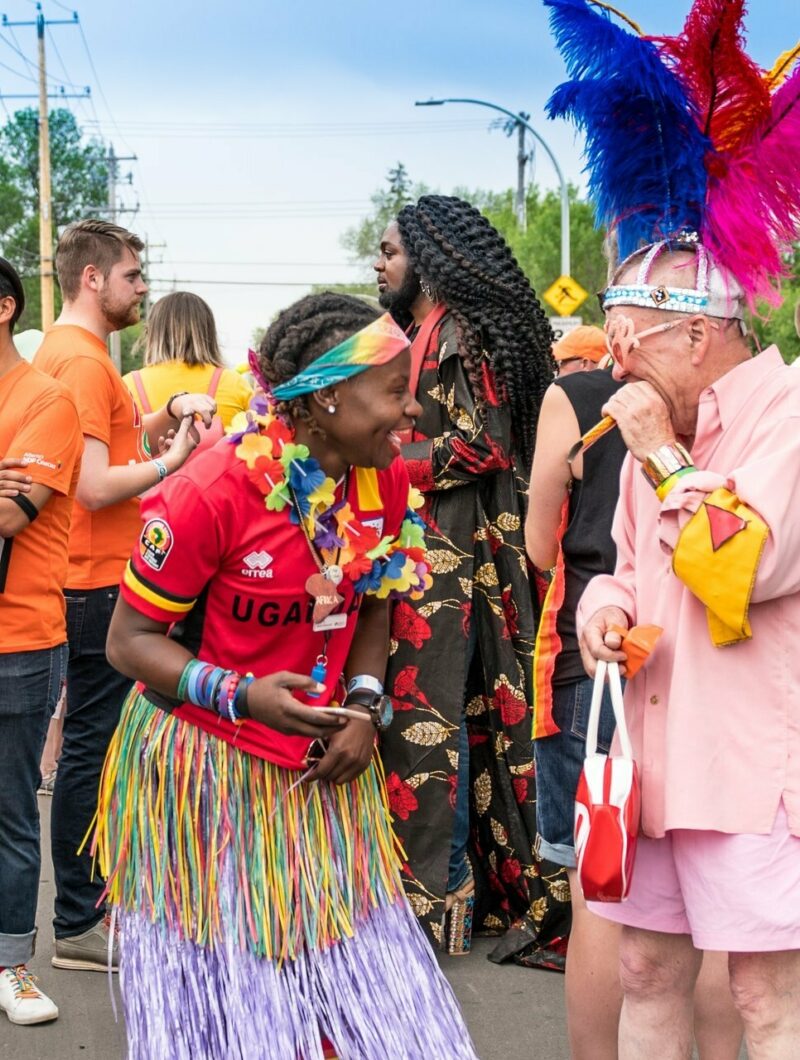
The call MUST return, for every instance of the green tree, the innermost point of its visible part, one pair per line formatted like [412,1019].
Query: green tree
[538,249]
[79,178]
[778,325]
[363,240]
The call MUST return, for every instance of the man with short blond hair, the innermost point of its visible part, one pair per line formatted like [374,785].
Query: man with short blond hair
[101,279]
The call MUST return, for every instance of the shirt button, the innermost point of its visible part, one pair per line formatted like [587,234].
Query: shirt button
[654,700]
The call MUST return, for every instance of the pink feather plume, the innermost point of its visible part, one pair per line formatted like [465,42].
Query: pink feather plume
[753,207]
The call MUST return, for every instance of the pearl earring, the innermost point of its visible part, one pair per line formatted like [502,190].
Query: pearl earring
[331,409]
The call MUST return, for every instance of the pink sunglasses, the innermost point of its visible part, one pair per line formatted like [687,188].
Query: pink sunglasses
[621,336]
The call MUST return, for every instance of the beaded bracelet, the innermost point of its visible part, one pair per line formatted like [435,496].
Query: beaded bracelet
[212,688]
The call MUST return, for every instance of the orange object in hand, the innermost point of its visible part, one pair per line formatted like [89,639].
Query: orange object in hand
[637,643]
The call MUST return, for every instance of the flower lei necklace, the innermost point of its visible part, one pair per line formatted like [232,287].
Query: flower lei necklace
[288,476]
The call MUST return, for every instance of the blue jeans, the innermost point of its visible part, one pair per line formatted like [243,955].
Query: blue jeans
[458,871]
[95,691]
[559,761]
[30,682]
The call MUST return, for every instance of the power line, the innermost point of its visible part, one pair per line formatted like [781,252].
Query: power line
[253,283]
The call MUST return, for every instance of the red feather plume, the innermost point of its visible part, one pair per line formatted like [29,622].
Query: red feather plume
[727,87]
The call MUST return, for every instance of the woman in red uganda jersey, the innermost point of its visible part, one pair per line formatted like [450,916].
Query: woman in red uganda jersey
[242,826]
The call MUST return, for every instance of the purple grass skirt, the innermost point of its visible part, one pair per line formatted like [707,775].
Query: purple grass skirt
[377,996]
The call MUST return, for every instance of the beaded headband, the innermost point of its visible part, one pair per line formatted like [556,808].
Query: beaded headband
[716,292]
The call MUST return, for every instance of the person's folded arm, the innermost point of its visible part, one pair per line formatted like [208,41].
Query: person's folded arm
[478,442]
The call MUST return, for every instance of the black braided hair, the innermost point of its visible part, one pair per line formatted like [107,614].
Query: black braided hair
[302,333]
[470,267]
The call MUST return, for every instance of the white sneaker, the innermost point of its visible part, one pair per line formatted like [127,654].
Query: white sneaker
[22,1000]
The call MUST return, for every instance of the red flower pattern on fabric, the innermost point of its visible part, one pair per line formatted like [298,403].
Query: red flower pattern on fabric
[405,684]
[408,625]
[402,800]
[510,703]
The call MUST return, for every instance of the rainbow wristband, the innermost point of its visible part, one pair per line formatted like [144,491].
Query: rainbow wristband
[664,487]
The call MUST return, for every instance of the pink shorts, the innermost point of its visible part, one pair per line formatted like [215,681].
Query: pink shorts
[736,893]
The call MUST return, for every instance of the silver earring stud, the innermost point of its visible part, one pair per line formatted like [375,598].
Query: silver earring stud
[331,409]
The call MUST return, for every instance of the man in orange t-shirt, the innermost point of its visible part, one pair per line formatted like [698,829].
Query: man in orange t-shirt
[102,284]
[40,451]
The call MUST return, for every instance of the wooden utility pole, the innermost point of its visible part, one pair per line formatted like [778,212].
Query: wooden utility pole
[46,270]
[45,195]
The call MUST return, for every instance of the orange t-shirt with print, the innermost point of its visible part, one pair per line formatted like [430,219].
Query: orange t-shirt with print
[38,424]
[101,541]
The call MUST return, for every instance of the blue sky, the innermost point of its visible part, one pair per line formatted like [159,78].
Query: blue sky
[261,129]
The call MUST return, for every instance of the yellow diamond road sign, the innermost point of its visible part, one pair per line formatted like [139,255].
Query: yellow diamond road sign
[565,295]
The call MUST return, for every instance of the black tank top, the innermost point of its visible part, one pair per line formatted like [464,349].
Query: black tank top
[587,544]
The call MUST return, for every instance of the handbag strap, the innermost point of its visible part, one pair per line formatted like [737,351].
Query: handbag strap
[214,382]
[608,671]
[140,390]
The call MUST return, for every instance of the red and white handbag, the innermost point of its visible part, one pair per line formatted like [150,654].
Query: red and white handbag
[607,803]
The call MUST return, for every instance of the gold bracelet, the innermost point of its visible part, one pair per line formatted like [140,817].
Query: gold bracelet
[665,461]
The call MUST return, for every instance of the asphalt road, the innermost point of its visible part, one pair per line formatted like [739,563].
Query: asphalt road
[513,1013]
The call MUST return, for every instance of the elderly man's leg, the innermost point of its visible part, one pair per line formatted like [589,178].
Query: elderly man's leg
[766,991]
[717,1027]
[658,972]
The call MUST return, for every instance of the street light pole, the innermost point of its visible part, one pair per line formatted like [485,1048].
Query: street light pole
[520,122]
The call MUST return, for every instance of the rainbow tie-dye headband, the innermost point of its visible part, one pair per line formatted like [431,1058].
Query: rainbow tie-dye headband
[375,344]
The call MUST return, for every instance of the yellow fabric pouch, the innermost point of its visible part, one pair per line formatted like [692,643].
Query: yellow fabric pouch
[717,558]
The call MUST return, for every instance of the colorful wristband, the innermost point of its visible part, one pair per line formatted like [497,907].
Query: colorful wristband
[666,486]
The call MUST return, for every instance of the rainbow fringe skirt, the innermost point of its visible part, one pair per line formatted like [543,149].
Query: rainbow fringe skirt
[258,918]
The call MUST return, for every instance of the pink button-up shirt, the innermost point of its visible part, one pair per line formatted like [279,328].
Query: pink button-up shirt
[716,731]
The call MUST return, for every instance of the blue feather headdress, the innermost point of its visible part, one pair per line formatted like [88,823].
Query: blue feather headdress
[644,149]
[686,134]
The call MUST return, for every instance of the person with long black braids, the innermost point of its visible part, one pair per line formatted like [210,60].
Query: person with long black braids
[459,758]
[242,821]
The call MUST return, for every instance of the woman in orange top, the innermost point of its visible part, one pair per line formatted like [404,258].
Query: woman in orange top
[181,353]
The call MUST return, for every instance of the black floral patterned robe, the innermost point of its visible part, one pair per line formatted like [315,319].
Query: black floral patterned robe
[462,461]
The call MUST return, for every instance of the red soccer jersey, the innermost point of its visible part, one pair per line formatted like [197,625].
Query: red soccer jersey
[212,558]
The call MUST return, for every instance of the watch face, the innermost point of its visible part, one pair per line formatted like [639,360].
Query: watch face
[385,712]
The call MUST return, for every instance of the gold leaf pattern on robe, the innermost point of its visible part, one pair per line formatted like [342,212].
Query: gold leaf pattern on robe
[508,521]
[483,792]
[420,904]
[452,758]
[485,574]
[416,779]
[559,890]
[426,733]
[499,833]
[442,560]
[429,609]
[477,705]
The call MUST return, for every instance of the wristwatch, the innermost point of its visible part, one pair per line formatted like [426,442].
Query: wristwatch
[379,706]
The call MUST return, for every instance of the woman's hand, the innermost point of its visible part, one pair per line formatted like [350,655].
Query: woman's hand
[176,448]
[194,405]
[270,701]
[348,754]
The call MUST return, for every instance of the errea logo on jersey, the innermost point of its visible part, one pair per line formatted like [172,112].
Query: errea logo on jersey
[257,565]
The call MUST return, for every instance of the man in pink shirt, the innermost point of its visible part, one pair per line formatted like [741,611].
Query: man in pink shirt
[708,544]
